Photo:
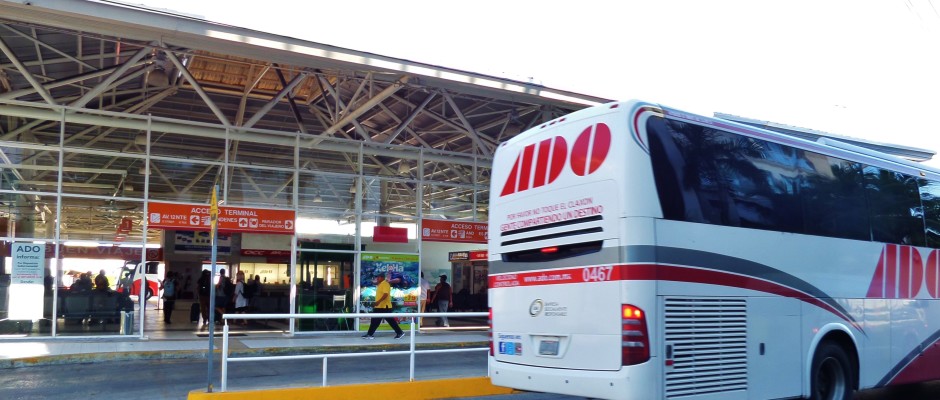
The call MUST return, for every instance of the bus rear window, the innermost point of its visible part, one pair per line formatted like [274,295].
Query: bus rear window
[553,253]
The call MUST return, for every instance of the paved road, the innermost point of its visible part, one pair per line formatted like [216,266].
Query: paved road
[925,391]
[173,379]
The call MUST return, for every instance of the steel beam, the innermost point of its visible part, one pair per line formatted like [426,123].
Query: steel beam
[277,98]
[26,74]
[48,46]
[411,117]
[198,88]
[378,98]
[106,83]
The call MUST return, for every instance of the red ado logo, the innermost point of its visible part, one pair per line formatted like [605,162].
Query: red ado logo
[901,274]
[539,164]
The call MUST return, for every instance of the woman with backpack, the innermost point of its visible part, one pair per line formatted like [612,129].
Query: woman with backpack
[169,296]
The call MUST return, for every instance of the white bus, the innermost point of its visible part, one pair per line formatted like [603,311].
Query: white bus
[641,252]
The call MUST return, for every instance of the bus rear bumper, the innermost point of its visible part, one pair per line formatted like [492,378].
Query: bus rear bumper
[630,382]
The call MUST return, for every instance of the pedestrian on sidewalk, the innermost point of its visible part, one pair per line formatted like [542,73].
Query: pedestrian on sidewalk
[383,304]
[423,296]
[169,296]
[443,295]
[224,296]
[204,290]
[241,300]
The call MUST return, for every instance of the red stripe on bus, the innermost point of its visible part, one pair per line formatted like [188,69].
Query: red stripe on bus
[642,272]
[922,368]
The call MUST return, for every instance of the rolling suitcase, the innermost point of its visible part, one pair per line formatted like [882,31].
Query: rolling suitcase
[194,313]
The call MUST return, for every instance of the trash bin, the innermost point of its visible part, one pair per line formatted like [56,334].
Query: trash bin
[127,322]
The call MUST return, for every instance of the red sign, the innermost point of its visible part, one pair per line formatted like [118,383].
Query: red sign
[388,234]
[541,166]
[231,219]
[126,225]
[452,231]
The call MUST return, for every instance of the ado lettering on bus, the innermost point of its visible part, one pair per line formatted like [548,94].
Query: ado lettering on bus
[901,274]
[538,167]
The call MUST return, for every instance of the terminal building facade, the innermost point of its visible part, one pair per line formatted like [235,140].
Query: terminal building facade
[330,166]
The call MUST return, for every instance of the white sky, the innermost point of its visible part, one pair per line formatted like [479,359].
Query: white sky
[863,68]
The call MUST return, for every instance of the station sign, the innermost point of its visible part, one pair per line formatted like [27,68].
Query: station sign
[104,252]
[26,281]
[473,255]
[433,230]
[231,219]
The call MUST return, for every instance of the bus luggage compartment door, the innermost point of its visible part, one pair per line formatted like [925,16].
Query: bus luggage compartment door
[567,326]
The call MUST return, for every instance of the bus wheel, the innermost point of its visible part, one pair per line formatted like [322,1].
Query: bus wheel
[149,294]
[831,373]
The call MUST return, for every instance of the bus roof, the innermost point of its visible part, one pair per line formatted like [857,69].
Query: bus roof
[829,146]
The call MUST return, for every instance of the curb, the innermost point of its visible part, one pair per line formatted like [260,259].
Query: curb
[417,390]
[81,358]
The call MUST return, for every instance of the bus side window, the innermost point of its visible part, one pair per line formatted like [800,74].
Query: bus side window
[894,207]
[930,200]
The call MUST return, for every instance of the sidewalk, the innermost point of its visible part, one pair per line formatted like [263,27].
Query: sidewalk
[15,353]
[184,339]
[187,340]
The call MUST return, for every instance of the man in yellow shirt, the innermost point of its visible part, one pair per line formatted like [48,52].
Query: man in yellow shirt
[383,304]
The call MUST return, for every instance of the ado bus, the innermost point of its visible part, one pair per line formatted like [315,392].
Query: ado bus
[132,274]
[641,252]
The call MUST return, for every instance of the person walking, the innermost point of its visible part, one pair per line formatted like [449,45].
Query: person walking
[443,295]
[383,304]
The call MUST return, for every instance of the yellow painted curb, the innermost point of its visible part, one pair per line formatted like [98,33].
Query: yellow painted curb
[418,390]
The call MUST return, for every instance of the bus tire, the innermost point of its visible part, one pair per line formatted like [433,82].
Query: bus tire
[831,374]
[149,294]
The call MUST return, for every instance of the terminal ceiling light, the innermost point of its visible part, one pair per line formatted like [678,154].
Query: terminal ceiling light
[352,188]
[403,168]
[141,139]
[317,198]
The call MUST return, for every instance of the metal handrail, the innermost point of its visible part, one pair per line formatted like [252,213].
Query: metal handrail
[411,348]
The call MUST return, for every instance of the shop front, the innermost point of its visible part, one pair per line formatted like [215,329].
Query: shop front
[469,271]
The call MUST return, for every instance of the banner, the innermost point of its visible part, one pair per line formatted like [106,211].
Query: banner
[231,219]
[401,272]
[433,230]
[200,242]
[26,281]
[100,252]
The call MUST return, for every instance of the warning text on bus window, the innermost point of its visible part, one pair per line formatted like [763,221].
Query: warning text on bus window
[552,213]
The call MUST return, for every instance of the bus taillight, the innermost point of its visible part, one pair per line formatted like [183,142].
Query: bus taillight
[635,340]
[490,332]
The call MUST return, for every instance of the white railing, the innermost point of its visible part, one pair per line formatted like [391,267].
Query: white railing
[411,338]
